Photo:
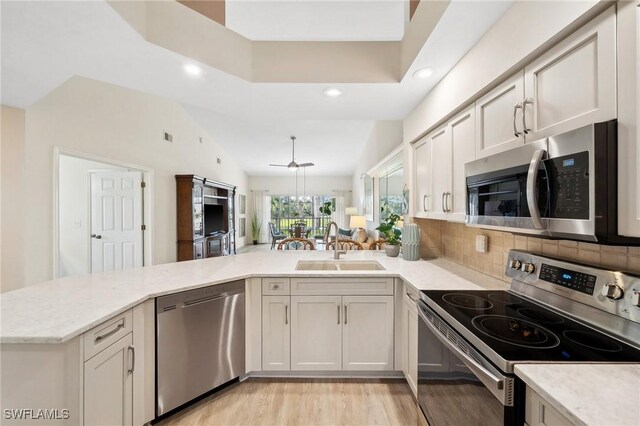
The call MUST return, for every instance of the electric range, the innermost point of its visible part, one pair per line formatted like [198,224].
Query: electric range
[554,311]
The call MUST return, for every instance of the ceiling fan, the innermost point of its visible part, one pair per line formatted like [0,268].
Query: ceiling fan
[293,165]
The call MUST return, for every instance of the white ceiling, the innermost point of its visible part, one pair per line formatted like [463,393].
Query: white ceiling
[317,20]
[46,42]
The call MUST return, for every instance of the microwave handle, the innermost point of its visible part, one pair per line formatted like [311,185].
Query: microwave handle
[532,196]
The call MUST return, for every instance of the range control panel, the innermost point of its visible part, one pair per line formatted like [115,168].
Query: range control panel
[615,292]
[578,281]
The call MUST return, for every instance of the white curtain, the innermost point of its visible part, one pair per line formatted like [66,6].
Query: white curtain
[262,208]
[343,200]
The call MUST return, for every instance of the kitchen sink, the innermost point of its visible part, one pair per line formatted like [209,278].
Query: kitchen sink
[338,265]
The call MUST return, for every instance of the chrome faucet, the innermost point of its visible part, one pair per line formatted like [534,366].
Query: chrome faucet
[336,252]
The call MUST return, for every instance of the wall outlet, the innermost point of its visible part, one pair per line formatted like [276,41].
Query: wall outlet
[481,243]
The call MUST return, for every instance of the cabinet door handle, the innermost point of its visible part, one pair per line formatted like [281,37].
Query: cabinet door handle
[345,314]
[411,297]
[449,202]
[96,236]
[111,333]
[131,351]
[444,209]
[524,115]
[338,314]
[424,203]
[516,133]
[286,314]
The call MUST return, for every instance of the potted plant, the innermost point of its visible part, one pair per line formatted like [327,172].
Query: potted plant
[391,234]
[256,226]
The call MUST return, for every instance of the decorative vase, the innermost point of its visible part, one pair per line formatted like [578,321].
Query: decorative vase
[392,251]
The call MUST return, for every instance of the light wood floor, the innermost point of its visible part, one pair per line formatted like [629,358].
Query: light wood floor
[304,402]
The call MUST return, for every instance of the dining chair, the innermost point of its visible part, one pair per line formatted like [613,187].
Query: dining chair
[275,235]
[296,244]
[345,245]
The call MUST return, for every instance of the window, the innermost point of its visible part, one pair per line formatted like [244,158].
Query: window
[286,211]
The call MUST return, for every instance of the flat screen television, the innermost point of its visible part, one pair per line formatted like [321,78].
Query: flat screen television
[213,218]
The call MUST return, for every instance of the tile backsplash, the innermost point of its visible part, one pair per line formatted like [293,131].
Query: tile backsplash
[457,242]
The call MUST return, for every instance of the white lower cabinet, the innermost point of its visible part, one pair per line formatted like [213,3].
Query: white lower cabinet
[276,333]
[410,341]
[316,333]
[108,385]
[539,412]
[367,333]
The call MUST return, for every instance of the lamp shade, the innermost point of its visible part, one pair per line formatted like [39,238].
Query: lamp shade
[351,210]
[357,222]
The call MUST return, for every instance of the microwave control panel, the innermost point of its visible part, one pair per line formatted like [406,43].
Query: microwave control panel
[569,186]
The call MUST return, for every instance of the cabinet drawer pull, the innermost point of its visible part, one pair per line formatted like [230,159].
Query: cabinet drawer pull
[286,314]
[276,286]
[516,107]
[131,352]
[345,314]
[411,297]
[338,314]
[111,333]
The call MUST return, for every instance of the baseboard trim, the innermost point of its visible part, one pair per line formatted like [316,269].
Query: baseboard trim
[328,374]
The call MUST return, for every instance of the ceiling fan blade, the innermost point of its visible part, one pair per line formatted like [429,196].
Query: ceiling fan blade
[306,165]
[279,165]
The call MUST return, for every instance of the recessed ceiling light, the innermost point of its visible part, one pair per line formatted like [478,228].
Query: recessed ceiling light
[192,69]
[332,92]
[423,73]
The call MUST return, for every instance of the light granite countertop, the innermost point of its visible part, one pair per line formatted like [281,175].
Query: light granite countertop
[588,394]
[57,311]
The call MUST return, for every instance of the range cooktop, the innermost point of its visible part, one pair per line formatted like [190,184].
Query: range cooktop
[517,329]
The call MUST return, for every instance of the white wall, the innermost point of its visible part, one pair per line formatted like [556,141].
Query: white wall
[12,241]
[286,185]
[122,125]
[524,31]
[385,137]
[73,209]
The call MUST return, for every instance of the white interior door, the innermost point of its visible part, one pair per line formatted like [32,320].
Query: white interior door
[116,220]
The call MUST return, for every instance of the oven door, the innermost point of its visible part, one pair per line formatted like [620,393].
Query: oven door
[456,384]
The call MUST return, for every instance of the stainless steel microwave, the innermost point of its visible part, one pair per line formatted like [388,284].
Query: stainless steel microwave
[563,186]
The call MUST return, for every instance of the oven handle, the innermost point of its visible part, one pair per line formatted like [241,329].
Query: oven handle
[495,384]
[532,196]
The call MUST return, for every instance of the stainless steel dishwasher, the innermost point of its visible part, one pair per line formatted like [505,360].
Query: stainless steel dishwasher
[199,342]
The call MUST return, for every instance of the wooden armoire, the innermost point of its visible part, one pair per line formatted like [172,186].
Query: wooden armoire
[206,218]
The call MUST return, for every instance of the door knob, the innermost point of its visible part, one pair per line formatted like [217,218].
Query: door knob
[96,236]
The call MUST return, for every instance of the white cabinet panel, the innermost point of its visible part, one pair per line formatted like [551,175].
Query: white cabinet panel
[367,337]
[410,343]
[496,117]
[108,385]
[628,20]
[463,132]
[276,333]
[316,333]
[573,84]
[422,177]
[539,412]
[441,171]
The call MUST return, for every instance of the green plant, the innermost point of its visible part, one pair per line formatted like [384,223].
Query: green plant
[256,226]
[392,234]
[327,207]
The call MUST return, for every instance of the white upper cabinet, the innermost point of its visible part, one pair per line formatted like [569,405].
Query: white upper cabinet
[573,84]
[440,171]
[498,115]
[629,118]
[422,178]
[367,337]
[463,142]
[276,333]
